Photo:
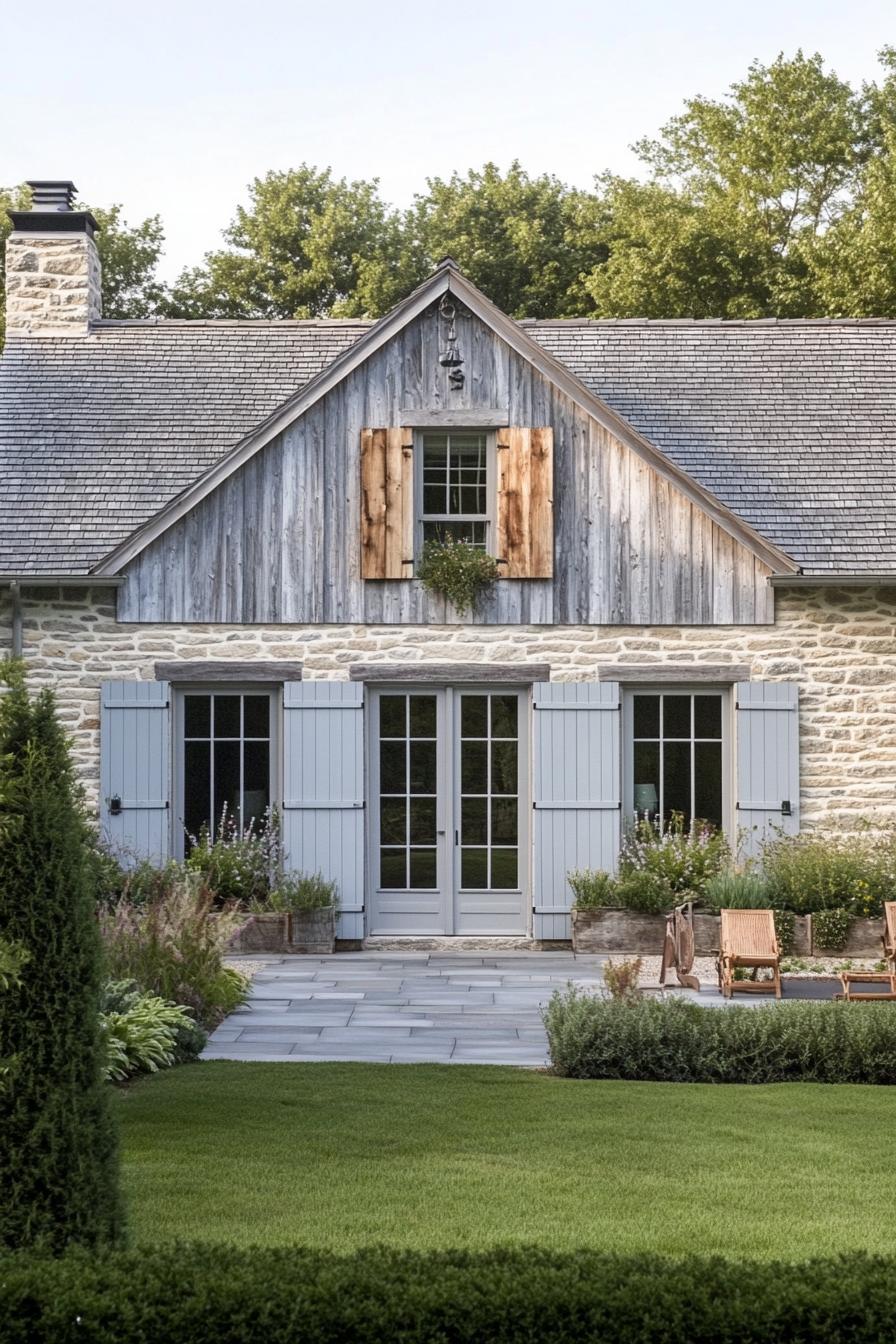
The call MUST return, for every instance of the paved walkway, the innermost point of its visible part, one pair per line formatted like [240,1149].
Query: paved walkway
[401,1007]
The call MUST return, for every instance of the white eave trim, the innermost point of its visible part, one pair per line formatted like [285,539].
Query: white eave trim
[446,279]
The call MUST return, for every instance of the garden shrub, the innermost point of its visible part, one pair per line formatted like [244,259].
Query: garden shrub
[173,946]
[58,1148]
[682,857]
[143,1033]
[621,978]
[785,929]
[830,929]
[853,870]
[221,1295]
[300,891]
[736,891]
[592,888]
[677,1041]
[239,865]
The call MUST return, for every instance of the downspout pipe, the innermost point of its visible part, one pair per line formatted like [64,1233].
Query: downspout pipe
[15,592]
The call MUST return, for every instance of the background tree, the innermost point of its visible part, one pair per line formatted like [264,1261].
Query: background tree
[307,245]
[58,1151]
[741,193]
[524,241]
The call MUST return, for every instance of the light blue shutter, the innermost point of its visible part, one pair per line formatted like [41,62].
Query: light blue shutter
[768,762]
[135,772]
[323,789]
[577,792]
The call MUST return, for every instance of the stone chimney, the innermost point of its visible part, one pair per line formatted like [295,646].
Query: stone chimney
[52,265]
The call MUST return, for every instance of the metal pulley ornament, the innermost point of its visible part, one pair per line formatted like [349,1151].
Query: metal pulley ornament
[451,358]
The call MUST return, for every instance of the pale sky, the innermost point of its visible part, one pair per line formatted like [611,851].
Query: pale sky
[172,108]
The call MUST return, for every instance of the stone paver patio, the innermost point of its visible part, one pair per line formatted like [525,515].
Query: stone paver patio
[401,1007]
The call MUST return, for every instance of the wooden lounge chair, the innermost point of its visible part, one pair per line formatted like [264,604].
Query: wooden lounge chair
[889,935]
[748,940]
[887,979]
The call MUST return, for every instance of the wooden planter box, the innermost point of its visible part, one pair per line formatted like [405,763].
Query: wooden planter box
[614,930]
[313,931]
[263,933]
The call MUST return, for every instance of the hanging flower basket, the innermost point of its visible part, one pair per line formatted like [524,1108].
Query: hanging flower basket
[458,571]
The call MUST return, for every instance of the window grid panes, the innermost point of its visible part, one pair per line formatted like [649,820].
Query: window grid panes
[226,760]
[455,487]
[677,756]
[408,787]
[489,792]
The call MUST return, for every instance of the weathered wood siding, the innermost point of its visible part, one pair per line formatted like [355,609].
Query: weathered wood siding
[280,541]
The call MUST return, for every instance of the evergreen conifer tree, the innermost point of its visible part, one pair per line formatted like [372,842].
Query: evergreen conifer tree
[58,1149]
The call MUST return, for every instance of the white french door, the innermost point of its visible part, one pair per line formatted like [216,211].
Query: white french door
[448,787]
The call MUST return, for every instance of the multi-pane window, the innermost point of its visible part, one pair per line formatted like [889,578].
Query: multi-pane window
[226,759]
[455,486]
[489,792]
[677,755]
[408,788]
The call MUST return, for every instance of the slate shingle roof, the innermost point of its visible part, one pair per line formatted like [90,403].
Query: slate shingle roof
[791,424]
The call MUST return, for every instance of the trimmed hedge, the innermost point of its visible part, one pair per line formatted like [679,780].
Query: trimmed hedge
[678,1041]
[218,1295]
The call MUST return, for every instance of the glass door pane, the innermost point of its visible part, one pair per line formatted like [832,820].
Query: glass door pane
[489,791]
[408,792]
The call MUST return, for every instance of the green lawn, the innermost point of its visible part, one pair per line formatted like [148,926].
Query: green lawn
[346,1155]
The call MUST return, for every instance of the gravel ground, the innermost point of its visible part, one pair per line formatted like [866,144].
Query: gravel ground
[704,968]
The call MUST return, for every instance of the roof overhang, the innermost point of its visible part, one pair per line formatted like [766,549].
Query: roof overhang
[828,580]
[61,580]
[446,279]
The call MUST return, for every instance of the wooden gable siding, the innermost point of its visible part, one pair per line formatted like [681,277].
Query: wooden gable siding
[279,541]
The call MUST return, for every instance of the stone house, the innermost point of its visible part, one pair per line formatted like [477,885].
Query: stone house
[208,540]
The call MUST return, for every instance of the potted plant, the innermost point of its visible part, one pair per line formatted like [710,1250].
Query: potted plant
[457,570]
[310,903]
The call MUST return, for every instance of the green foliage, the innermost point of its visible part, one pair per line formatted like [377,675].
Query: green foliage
[307,245]
[173,946]
[458,571]
[621,978]
[830,929]
[13,960]
[58,1148]
[219,1295]
[785,930]
[143,1033]
[524,241]
[736,891]
[853,870]
[683,857]
[239,865]
[301,891]
[678,1041]
[592,888]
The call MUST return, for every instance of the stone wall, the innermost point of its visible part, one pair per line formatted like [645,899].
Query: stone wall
[52,284]
[839,645]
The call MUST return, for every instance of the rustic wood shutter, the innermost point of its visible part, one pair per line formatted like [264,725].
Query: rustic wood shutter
[323,789]
[577,792]
[135,771]
[387,503]
[525,522]
[768,762]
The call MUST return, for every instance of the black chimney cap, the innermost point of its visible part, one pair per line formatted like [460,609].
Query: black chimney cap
[53,210]
[52,195]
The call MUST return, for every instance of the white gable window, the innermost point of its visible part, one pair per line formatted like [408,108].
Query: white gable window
[677,754]
[456,487]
